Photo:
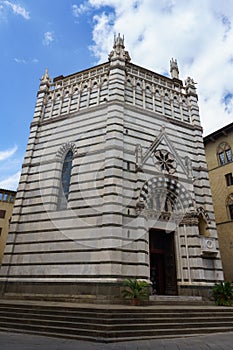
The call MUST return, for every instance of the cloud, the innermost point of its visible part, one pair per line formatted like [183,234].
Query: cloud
[24,61]
[227,100]
[198,33]
[11,182]
[81,9]
[17,9]
[10,164]
[7,153]
[48,38]
[20,60]
[102,28]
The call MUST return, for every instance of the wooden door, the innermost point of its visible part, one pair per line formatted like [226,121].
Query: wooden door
[162,262]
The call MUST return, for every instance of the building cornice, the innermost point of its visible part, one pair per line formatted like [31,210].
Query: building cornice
[226,130]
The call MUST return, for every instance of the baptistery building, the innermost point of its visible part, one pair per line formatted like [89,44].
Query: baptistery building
[114,185]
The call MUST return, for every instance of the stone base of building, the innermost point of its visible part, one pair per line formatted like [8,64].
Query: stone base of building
[64,291]
[202,291]
[86,292]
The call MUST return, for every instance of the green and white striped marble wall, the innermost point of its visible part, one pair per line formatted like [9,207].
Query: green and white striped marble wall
[113,117]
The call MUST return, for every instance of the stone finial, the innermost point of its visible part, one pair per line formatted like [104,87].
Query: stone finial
[118,52]
[190,86]
[189,82]
[118,41]
[45,77]
[174,69]
[45,80]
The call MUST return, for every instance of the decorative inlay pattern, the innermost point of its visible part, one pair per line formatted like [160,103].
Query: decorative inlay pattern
[166,161]
[169,191]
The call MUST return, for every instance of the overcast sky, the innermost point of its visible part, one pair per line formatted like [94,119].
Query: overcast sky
[68,36]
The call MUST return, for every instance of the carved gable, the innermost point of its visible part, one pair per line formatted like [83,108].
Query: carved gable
[164,156]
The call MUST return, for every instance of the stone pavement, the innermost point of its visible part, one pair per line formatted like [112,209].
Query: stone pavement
[21,341]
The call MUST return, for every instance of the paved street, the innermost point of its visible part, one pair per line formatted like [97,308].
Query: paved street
[15,341]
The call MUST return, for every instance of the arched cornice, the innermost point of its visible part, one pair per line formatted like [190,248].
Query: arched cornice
[168,187]
[61,153]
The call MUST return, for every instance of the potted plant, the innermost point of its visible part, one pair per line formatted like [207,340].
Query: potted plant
[136,291]
[223,293]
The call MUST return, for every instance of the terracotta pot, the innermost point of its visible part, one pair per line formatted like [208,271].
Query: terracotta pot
[135,302]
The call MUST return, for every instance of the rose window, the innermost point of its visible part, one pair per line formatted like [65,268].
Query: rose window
[166,161]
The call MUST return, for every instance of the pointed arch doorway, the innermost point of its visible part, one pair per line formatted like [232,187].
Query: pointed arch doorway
[162,262]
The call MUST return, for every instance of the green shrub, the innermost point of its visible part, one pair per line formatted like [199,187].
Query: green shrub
[223,293]
[136,289]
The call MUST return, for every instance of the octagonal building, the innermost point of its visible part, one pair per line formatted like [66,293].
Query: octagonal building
[114,185]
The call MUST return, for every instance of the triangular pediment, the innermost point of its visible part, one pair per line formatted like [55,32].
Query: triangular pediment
[163,155]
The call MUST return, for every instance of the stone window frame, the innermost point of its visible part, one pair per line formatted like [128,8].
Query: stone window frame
[2,213]
[229,179]
[229,205]
[224,153]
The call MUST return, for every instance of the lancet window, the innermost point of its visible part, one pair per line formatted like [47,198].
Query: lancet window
[65,181]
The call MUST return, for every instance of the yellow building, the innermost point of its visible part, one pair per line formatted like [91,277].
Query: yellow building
[7,199]
[218,148]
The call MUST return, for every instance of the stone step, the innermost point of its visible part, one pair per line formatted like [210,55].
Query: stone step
[114,336]
[115,310]
[117,318]
[108,323]
[177,300]
[166,334]
[114,315]
[122,324]
[118,338]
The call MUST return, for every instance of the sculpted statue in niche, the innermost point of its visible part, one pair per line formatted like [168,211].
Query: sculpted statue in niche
[160,202]
[189,167]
